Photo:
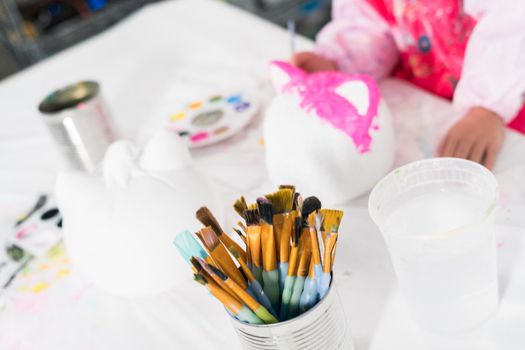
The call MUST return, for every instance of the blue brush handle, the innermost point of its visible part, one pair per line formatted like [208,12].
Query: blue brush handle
[247,315]
[318,271]
[325,284]
[309,296]
[256,288]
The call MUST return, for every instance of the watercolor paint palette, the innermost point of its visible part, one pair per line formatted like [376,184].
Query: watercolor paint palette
[211,120]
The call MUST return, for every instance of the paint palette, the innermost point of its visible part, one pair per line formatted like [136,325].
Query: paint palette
[205,122]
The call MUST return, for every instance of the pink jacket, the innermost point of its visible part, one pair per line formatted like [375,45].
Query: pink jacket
[474,54]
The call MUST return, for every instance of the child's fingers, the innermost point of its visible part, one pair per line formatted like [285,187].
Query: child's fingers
[477,151]
[448,148]
[490,156]
[463,148]
[300,59]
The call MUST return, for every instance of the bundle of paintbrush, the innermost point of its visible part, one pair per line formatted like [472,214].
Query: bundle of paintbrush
[285,267]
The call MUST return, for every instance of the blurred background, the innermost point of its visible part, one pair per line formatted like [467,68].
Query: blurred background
[31,30]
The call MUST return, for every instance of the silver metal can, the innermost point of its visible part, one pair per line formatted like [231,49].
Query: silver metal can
[324,327]
[80,124]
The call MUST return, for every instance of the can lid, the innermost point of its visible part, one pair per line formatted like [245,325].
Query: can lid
[69,96]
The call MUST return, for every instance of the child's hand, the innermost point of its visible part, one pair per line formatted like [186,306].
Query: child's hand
[478,136]
[312,62]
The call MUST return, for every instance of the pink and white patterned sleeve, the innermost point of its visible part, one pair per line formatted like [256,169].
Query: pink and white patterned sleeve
[358,39]
[493,74]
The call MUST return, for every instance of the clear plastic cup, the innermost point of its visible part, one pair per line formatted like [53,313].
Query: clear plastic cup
[437,218]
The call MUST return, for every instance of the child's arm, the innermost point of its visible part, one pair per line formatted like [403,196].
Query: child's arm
[490,91]
[357,40]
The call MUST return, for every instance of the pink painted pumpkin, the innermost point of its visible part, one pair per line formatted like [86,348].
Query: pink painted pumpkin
[329,133]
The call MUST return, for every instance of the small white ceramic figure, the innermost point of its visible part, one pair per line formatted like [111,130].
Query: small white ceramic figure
[328,133]
[119,225]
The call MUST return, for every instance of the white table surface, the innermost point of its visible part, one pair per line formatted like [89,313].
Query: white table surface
[137,62]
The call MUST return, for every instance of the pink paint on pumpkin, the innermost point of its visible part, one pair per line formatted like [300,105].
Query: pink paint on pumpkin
[317,92]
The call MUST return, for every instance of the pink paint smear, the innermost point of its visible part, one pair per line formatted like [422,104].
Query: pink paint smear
[317,92]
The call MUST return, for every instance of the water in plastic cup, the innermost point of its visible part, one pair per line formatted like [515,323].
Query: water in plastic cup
[436,216]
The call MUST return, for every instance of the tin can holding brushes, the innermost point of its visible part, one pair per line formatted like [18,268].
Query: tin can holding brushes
[322,327]
[80,123]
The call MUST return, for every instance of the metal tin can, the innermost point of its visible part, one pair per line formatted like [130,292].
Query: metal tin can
[322,327]
[80,123]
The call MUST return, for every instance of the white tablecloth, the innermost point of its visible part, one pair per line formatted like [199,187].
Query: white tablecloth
[52,307]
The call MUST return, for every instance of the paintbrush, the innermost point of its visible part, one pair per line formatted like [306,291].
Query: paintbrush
[310,295]
[253,232]
[283,219]
[308,206]
[270,273]
[188,246]
[331,222]
[242,312]
[205,216]
[220,255]
[253,284]
[222,279]
[290,24]
[41,201]
[197,268]
[241,225]
[292,269]
[240,206]
[240,234]
[305,253]
[313,221]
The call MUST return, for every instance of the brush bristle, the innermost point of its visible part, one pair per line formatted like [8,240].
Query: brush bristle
[252,206]
[240,206]
[311,220]
[252,217]
[297,202]
[318,221]
[310,205]
[290,187]
[218,272]
[331,219]
[200,279]
[208,237]
[265,209]
[205,216]
[205,266]
[239,232]
[298,225]
[282,200]
[195,264]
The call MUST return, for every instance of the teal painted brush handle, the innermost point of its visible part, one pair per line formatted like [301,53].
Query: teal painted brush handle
[257,273]
[325,284]
[283,271]
[247,315]
[296,296]
[287,295]
[256,288]
[309,296]
[271,286]
[265,315]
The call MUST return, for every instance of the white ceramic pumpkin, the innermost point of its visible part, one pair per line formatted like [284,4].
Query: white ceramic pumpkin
[328,133]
